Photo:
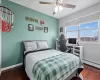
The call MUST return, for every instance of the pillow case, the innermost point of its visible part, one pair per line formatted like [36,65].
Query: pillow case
[42,45]
[30,46]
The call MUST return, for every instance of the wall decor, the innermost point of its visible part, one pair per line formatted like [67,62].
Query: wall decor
[8,57]
[30,27]
[6,19]
[31,19]
[42,22]
[38,28]
[61,29]
[45,29]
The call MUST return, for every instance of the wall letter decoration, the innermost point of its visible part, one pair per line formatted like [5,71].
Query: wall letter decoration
[31,19]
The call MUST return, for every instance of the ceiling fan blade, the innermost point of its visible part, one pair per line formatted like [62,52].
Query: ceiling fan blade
[46,3]
[68,5]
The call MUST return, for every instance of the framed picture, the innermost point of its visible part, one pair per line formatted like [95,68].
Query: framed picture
[30,27]
[38,28]
[45,29]
[61,29]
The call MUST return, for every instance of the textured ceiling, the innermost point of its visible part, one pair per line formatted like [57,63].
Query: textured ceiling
[48,9]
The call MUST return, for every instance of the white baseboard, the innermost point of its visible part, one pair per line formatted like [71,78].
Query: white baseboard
[92,64]
[16,65]
[6,68]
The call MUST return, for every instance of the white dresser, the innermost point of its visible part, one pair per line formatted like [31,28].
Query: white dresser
[78,51]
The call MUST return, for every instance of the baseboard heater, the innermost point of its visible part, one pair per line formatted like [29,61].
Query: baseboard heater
[97,65]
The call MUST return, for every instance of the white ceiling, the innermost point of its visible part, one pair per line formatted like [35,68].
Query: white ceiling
[48,9]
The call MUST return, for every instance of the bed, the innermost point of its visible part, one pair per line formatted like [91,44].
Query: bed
[44,63]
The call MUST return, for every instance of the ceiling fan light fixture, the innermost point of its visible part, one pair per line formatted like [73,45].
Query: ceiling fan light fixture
[60,8]
[60,1]
[56,9]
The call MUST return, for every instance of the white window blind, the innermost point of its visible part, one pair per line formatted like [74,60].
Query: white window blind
[89,18]
[71,23]
[87,27]
[89,31]
[71,32]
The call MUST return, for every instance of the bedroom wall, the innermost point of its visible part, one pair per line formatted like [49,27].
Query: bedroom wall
[11,42]
[91,49]
[87,11]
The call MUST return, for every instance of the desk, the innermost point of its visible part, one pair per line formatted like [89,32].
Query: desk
[76,50]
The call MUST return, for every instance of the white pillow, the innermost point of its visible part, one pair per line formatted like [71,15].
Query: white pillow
[30,46]
[42,45]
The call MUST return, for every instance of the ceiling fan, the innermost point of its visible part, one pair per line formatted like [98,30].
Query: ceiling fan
[58,5]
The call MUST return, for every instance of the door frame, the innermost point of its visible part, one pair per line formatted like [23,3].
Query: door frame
[0,43]
[0,50]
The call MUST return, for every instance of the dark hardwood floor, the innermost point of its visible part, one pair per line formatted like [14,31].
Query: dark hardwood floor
[89,73]
[14,74]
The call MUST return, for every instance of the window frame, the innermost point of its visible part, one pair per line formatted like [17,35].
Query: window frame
[89,29]
[72,30]
[78,35]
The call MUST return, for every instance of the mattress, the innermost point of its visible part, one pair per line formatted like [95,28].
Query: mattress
[34,57]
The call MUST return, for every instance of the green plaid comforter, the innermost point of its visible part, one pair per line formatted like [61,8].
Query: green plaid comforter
[56,68]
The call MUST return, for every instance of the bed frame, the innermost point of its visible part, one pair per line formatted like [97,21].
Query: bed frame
[73,74]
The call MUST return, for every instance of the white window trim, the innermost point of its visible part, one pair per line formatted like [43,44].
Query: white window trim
[89,29]
[72,31]
[89,21]
[84,30]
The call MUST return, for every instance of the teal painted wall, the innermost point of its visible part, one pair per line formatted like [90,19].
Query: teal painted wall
[11,42]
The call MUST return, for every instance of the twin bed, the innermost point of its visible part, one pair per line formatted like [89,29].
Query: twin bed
[43,63]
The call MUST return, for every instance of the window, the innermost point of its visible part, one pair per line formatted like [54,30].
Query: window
[86,31]
[71,31]
[89,31]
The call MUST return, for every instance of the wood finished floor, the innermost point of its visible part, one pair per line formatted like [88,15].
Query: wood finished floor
[89,73]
